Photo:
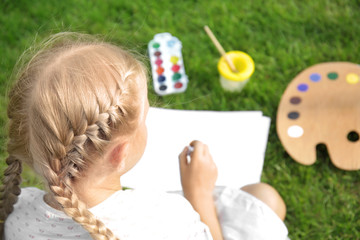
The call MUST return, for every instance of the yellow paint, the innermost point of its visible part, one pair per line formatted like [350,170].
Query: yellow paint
[174,59]
[352,78]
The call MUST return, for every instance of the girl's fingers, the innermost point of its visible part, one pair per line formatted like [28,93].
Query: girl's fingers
[205,149]
[183,158]
[198,148]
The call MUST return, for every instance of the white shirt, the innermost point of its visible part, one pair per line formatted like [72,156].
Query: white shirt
[130,214]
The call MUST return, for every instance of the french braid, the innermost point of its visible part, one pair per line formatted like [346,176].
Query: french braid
[10,190]
[61,173]
[68,103]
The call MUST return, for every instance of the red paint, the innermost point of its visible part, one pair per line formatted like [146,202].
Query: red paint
[178,85]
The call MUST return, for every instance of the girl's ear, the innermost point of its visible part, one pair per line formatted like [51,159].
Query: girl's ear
[118,155]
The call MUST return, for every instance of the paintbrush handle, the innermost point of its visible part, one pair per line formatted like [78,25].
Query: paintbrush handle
[220,48]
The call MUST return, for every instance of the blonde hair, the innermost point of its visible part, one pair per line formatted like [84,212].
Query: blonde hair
[69,101]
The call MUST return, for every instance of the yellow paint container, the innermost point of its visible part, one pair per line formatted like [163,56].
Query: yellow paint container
[235,81]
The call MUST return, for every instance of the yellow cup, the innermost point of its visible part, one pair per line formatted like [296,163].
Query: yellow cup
[235,81]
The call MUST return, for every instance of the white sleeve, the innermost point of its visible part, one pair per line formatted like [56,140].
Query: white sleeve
[195,228]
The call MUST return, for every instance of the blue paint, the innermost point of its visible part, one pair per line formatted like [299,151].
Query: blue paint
[294,115]
[161,78]
[315,77]
[171,43]
[303,87]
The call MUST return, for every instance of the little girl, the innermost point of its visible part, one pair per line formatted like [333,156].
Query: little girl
[77,115]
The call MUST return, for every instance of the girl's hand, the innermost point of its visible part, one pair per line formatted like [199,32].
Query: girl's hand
[198,179]
[198,176]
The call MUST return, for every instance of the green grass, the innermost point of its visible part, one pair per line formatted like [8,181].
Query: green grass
[283,37]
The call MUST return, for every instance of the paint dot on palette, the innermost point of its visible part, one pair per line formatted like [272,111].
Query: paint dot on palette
[353,136]
[295,131]
[303,87]
[315,77]
[332,75]
[295,100]
[352,78]
[293,115]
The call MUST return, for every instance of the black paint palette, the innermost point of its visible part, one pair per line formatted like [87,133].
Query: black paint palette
[322,106]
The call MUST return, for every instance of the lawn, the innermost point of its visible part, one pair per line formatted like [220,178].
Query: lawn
[283,37]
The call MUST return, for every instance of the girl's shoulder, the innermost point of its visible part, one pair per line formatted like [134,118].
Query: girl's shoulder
[151,213]
[33,218]
[153,205]
[32,199]
[30,195]
[31,191]
[143,198]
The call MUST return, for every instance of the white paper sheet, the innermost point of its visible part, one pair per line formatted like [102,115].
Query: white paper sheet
[237,141]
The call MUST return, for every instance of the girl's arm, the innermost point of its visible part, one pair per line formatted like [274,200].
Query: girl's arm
[198,177]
